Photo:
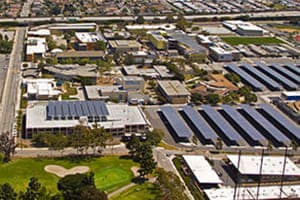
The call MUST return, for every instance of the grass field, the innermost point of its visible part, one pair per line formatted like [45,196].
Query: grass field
[111,173]
[251,40]
[146,191]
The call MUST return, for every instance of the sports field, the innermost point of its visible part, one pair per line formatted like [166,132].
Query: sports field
[111,173]
[251,40]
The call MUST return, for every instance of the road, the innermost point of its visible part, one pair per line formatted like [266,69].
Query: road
[11,87]
[149,18]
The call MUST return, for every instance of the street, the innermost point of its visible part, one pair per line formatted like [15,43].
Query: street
[11,87]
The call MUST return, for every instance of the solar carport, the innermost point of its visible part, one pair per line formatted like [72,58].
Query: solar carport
[221,126]
[198,124]
[175,124]
[243,126]
[285,72]
[285,124]
[264,126]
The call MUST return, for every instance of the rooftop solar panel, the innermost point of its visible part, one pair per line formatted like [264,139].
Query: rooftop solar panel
[198,121]
[65,109]
[286,72]
[292,68]
[218,119]
[286,82]
[246,77]
[92,109]
[58,109]
[269,82]
[175,122]
[72,110]
[281,120]
[78,109]
[243,123]
[50,109]
[255,115]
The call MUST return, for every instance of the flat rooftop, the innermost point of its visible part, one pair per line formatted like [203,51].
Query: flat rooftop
[124,44]
[173,88]
[272,165]
[201,169]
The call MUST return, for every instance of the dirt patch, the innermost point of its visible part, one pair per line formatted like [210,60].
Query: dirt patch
[135,170]
[62,172]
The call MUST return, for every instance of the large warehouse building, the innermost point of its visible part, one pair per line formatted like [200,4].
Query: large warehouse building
[62,116]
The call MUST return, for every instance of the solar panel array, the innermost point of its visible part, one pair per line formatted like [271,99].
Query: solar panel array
[292,128]
[275,75]
[243,123]
[262,121]
[269,82]
[293,68]
[177,124]
[246,77]
[223,125]
[76,109]
[201,125]
[286,72]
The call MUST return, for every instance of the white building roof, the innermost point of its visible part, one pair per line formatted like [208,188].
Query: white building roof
[40,32]
[36,45]
[234,24]
[291,93]
[272,165]
[89,37]
[41,87]
[247,193]
[151,27]
[201,169]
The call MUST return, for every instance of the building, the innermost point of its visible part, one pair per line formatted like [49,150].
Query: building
[35,48]
[123,46]
[87,40]
[62,116]
[65,27]
[158,40]
[108,92]
[291,96]
[132,83]
[74,72]
[244,28]
[269,169]
[40,89]
[93,55]
[174,91]
[223,52]
[204,174]
[39,33]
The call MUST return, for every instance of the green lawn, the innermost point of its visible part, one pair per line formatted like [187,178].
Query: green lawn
[111,173]
[146,191]
[251,40]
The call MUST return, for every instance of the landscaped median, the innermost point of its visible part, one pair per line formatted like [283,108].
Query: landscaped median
[251,40]
[111,172]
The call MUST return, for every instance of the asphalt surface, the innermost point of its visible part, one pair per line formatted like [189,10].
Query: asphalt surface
[11,87]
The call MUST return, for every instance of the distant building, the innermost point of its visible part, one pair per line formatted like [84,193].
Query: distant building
[132,83]
[174,91]
[62,116]
[123,46]
[109,92]
[87,40]
[40,89]
[222,52]
[158,40]
[35,48]
[244,28]
[93,55]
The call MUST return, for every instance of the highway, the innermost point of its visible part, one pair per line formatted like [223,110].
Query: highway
[11,87]
[149,18]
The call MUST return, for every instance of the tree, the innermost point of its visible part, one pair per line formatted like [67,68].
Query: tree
[133,144]
[294,145]
[195,140]
[35,191]
[140,20]
[170,185]
[154,137]
[56,142]
[219,144]
[7,192]
[234,78]
[79,139]
[7,146]
[100,45]
[80,186]
[144,156]
[98,138]
[212,99]
[197,98]
[182,23]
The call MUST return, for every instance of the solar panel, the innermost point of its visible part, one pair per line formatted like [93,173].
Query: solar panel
[92,109]
[281,120]
[255,115]
[286,72]
[176,122]
[243,123]
[246,77]
[50,110]
[200,124]
[78,109]
[292,68]
[72,110]
[286,82]
[262,77]
[65,109]
[218,119]
[58,109]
